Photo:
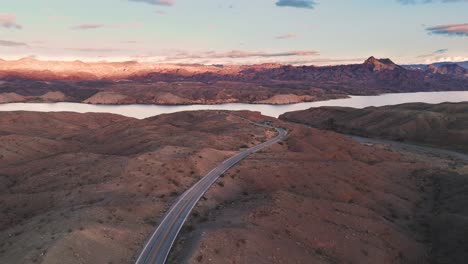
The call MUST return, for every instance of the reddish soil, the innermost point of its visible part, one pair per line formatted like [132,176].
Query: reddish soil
[442,125]
[90,188]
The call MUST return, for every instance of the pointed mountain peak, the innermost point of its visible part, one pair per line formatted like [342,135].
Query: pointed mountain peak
[381,64]
[371,60]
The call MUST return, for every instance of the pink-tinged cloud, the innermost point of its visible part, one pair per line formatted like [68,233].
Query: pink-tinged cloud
[9,21]
[156,2]
[8,43]
[160,12]
[87,26]
[241,57]
[93,50]
[451,30]
[287,36]
[235,54]
[243,54]
[58,18]
[98,26]
[133,24]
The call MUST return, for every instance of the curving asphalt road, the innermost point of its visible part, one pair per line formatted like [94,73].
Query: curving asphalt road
[158,246]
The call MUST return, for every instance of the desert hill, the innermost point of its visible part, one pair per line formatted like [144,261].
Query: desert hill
[70,194]
[90,187]
[450,69]
[444,125]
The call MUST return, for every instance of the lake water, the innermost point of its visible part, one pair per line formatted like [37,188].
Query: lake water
[144,111]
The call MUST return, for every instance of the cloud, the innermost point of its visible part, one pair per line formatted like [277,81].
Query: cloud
[87,26]
[300,59]
[435,53]
[450,30]
[309,4]
[324,61]
[58,18]
[447,59]
[412,2]
[156,2]
[7,43]
[235,57]
[287,36]
[94,50]
[440,51]
[237,54]
[9,21]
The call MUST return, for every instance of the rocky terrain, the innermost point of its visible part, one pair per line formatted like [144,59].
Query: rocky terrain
[90,188]
[443,125]
[30,80]
[451,69]
[330,200]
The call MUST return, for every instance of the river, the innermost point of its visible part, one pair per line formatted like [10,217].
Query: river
[144,111]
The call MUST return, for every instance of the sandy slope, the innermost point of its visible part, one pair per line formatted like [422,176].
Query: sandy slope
[90,188]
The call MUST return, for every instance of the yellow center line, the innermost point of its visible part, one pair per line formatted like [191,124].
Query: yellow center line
[169,229]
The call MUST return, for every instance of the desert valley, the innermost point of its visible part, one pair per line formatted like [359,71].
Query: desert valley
[70,192]
[329,199]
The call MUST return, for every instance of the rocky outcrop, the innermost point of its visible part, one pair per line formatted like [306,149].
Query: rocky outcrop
[107,98]
[448,69]
[11,98]
[442,125]
[281,99]
[381,64]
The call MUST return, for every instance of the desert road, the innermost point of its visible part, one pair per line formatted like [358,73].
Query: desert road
[158,246]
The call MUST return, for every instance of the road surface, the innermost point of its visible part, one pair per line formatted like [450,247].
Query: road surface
[158,246]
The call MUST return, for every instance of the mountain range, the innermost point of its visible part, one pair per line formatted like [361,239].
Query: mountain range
[463,64]
[77,70]
[133,82]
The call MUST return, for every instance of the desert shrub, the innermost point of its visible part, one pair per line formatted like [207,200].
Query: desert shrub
[189,228]
[175,182]
[150,221]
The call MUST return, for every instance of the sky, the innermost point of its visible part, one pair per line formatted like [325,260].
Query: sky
[319,32]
